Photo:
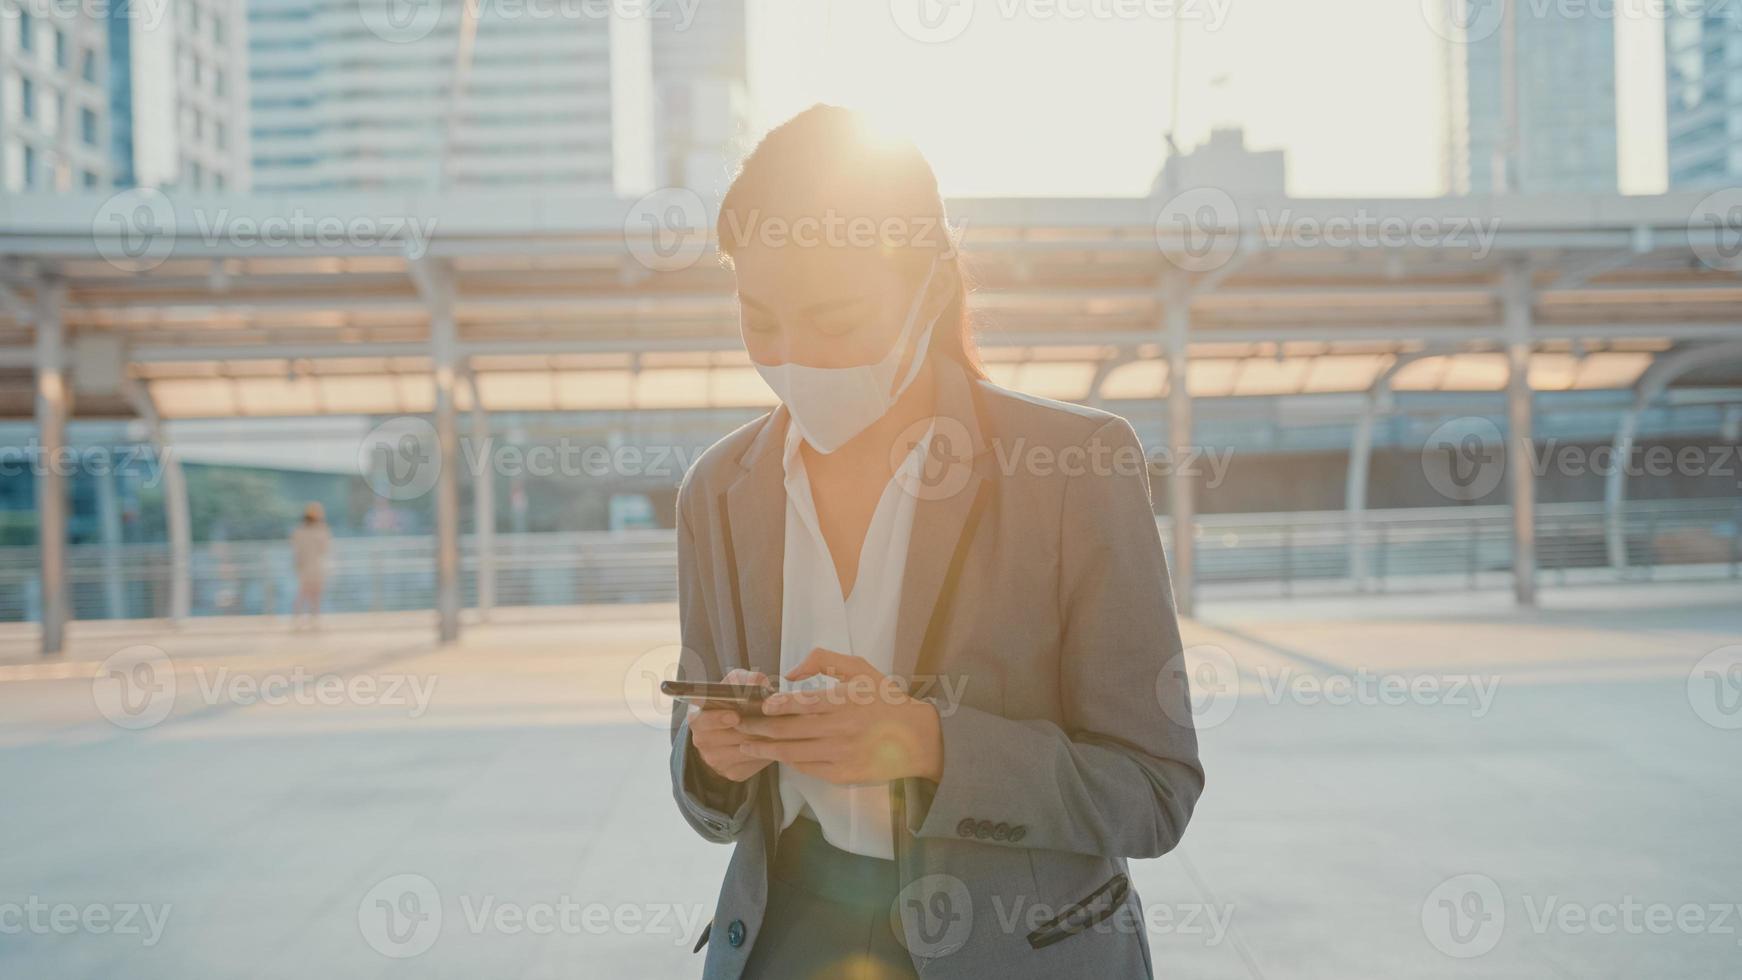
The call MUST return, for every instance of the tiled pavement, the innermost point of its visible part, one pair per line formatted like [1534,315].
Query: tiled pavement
[1360,754]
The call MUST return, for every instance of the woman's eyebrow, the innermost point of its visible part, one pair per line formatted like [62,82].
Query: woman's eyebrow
[826,306]
[830,306]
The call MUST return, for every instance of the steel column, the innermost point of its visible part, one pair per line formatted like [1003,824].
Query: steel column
[51,490]
[1355,487]
[1516,299]
[483,503]
[1180,503]
[177,518]
[109,532]
[443,351]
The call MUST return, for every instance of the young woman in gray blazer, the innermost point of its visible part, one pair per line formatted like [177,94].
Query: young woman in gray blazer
[960,591]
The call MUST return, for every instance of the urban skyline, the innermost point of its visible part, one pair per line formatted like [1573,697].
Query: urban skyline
[221,96]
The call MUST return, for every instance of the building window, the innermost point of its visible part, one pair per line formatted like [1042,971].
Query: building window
[217,182]
[60,48]
[218,82]
[29,167]
[88,66]
[217,28]
[91,179]
[195,174]
[26,97]
[220,134]
[88,126]
[26,27]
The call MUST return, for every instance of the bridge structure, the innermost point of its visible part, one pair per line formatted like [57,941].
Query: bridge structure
[148,307]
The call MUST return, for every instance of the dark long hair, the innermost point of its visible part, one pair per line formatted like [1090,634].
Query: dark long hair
[820,164]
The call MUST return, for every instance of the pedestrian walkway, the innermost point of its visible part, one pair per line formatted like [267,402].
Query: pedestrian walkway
[1398,787]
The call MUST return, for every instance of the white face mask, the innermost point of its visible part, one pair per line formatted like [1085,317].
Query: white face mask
[832,405]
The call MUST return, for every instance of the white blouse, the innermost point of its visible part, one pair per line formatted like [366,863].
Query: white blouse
[814,614]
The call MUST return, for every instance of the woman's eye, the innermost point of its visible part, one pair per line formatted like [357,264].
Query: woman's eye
[834,326]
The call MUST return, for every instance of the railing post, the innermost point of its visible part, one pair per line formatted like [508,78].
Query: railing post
[1384,554]
[1288,560]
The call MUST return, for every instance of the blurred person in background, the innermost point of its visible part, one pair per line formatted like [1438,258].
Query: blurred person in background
[960,592]
[309,545]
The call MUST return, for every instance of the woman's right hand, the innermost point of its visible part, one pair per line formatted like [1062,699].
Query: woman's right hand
[715,735]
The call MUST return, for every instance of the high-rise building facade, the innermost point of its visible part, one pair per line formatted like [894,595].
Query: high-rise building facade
[1703,85]
[378,95]
[1565,95]
[700,75]
[178,94]
[54,103]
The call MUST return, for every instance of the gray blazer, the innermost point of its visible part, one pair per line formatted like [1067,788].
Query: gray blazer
[1036,612]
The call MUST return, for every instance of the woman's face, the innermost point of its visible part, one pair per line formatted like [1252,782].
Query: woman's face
[829,307]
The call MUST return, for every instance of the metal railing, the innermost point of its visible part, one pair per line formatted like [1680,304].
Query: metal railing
[1280,553]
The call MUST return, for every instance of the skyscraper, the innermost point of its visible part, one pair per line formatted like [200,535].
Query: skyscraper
[178,94]
[1703,64]
[1565,97]
[378,95]
[54,107]
[700,72]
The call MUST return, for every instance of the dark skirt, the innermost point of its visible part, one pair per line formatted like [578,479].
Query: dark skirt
[828,914]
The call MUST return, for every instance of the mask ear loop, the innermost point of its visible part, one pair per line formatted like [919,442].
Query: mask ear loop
[918,358]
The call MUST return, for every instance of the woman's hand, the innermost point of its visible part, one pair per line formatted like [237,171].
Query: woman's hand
[864,729]
[716,735]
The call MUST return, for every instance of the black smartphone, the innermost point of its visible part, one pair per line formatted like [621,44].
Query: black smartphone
[742,698]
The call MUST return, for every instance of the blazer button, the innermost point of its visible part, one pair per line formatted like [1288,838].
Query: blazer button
[965,828]
[1017,833]
[735,933]
[984,830]
[1001,832]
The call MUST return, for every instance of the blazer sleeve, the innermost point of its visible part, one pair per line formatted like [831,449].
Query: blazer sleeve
[715,807]
[1120,776]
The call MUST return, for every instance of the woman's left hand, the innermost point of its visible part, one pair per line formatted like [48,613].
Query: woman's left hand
[863,729]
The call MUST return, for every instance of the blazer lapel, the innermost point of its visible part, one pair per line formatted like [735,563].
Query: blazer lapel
[756,525]
[947,491]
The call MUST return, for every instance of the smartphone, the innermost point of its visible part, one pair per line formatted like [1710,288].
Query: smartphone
[743,698]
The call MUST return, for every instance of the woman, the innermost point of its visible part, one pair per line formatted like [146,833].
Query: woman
[961,592]
[309,544]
